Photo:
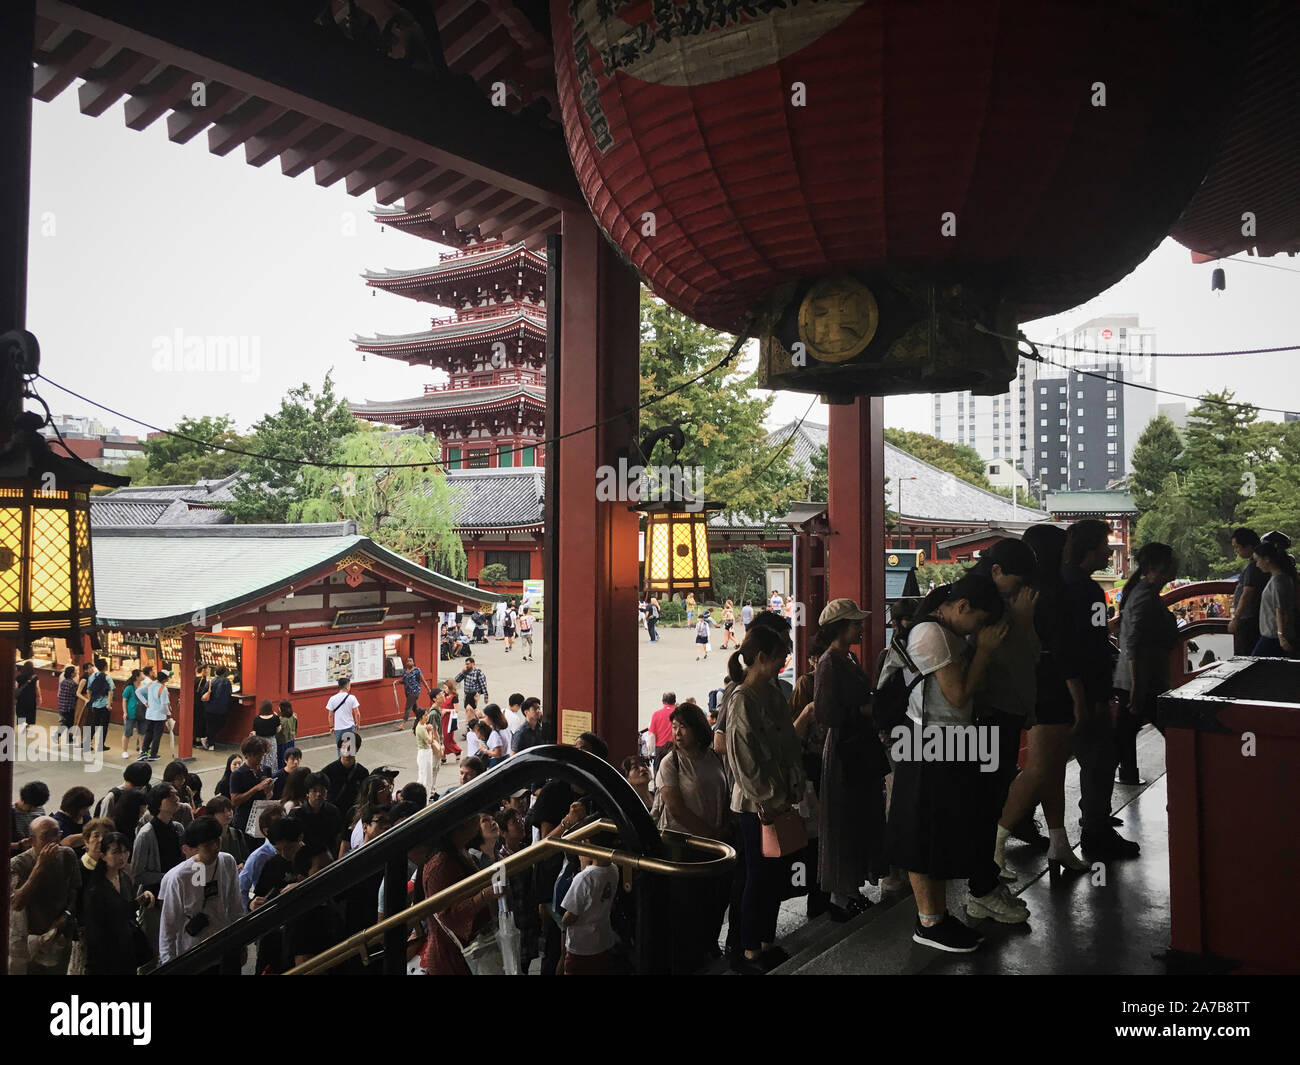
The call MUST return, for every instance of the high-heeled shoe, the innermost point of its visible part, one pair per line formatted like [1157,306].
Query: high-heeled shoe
[1062,860]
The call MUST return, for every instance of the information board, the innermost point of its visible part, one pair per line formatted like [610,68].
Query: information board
[573,723]
[320,665]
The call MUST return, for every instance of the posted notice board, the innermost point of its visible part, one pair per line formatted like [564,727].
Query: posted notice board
[320,665]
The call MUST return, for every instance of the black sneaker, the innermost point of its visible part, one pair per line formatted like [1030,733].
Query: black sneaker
[1107,846]
[949,934]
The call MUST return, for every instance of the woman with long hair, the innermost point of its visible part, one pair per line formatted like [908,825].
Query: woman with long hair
[1148,632]
[851,827]
[428,746]
[934,821]
[447,699]
[729,626]
[767,763]
[1043,778]
[295,788]
[497,745]
[465,919]
[1277,606]
[233,762]
[267,725]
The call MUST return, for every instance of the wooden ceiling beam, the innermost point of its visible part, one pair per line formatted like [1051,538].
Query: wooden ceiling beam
[288,130]
[68,62]
[124,73]
[249,120]
[321,143]
[186,123]
[168,88]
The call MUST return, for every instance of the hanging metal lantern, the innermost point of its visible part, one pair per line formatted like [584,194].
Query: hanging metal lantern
[866,182]
[46,578]
[677,548]
[677,525]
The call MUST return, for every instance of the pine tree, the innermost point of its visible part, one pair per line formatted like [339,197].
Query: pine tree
[1157,454]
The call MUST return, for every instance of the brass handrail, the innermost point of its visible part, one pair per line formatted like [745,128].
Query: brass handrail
[570,843]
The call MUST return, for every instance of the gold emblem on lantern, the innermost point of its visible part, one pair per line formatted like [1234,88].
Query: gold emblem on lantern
[893,560]
[837,319]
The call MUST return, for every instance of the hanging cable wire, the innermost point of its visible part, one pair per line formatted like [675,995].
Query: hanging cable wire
[208,444]
[979,328]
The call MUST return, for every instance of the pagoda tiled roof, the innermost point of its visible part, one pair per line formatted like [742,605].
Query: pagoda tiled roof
[449,334]
[452,399]
[509,257]
[493,499]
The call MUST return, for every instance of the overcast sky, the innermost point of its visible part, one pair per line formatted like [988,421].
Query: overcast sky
[138,245]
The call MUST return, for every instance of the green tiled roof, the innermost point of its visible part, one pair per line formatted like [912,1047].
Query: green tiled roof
[154,576]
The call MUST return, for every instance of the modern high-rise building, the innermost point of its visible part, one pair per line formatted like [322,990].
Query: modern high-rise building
[1063,428]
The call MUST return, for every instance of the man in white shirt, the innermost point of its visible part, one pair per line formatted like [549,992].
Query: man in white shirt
[200,896]
[345,714]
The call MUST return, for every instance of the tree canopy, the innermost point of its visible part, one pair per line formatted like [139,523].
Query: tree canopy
[1232,470]
[308,427]
[407,509]
[171,460]
[722,419]
[959,459]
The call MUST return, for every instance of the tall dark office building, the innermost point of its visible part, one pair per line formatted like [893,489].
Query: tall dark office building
[1078,432]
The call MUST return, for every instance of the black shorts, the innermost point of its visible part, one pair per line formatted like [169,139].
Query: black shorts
[509,630]
[728,625]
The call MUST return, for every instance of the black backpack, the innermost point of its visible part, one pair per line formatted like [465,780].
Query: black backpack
[98,685]
[889,701]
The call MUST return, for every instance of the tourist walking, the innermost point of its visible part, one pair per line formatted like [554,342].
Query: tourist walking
[764,756]
[933,830]
[265,726]
[509,627]
[702,636]
[729,626]
[287,734]
[446,700]
[1148,634]
[690,606]
[67,705]
[344,715]
[474,684]
[132,713]
[851,824]
[652,614]
[526,633]
[25,695]
[100,689]
[412,685]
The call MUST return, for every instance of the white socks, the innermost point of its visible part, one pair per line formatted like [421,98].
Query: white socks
[1000,847]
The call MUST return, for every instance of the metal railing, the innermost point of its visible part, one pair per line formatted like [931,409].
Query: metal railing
[386,854]
[571,843]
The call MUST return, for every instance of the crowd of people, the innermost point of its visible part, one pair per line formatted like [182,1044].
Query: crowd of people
[902,776]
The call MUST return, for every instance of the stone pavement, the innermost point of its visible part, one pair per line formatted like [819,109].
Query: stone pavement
[668,665]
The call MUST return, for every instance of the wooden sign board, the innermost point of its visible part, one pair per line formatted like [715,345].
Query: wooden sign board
[573,723]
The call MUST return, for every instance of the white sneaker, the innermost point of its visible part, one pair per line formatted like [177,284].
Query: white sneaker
[1000,905]
[126,754]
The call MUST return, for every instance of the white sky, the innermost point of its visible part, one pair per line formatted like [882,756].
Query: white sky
[134,238]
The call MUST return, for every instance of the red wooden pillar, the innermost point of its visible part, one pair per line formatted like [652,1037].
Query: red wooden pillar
[856,545]
[591,569]
[185,714]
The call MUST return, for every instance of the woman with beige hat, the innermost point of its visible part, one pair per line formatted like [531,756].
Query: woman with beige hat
[852,819]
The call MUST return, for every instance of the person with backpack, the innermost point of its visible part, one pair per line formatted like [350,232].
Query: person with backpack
[526,632]
[100,689]
[933,830]
[702,636]
[851,824]
[652,614]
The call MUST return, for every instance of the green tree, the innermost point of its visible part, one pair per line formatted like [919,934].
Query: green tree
[1157,454]
[739,575]
[308,427]
[1273,485]
[171,460]
[722,419]
[493,574]
[407,509]
[958,459]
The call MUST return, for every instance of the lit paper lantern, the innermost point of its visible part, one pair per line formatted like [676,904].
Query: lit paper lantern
[866,182]
[46,580]
[677,548]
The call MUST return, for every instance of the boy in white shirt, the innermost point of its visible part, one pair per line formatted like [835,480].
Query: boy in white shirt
[589,938]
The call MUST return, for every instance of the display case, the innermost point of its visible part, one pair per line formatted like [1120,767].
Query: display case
[214,651]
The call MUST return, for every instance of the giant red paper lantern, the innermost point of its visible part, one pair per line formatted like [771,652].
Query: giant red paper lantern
[891,171]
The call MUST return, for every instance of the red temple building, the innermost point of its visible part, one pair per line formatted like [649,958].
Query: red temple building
[490,411]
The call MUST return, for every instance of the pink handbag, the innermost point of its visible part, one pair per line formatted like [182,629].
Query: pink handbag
[785,835]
